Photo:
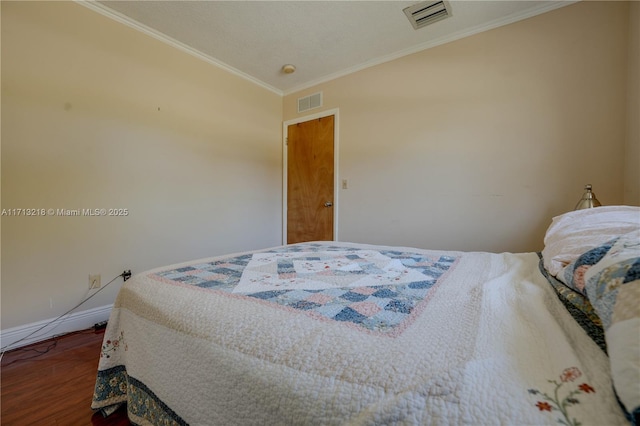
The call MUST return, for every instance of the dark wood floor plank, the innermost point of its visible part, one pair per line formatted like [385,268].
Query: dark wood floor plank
[54,388]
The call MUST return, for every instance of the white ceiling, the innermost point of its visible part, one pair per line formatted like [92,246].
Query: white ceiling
[323,39]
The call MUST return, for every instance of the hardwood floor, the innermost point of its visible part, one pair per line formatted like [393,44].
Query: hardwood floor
[51,383]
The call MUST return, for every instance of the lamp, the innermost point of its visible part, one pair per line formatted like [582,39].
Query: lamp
[588,199]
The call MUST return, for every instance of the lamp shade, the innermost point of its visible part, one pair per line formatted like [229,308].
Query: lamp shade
[588,199]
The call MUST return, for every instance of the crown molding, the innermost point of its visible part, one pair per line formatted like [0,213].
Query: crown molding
[543,8]
[103,10]
[116,16]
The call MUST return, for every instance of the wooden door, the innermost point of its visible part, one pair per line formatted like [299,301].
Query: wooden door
[310,181]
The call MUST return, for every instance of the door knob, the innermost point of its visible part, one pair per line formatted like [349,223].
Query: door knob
[328,204]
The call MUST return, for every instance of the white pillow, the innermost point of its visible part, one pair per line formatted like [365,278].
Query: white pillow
[574,233]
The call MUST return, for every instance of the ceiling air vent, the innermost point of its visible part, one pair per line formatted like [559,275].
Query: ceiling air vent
[310,102]
[426,13]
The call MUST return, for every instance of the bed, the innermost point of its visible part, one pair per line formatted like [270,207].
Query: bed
[334,333]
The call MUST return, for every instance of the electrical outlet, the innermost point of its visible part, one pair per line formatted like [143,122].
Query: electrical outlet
[94,281]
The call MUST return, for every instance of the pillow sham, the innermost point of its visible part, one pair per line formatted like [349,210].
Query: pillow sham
[574,233]
[573,275]
[613,288]
[579,307]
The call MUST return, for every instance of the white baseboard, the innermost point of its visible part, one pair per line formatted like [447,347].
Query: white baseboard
[11,337]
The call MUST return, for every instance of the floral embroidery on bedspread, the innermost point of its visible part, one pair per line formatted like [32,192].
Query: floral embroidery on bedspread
[555,402]
[110,346]
[377,290]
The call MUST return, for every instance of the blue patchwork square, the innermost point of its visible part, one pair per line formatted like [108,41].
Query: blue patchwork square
[402,307]
[265,295]
[286,268]
[304,305]
[229,272]
[348,314]
[422,284]
[354,297]
[212,284]
[189,279]
[385,293]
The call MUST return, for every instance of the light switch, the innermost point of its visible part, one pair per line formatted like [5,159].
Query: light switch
[344,184]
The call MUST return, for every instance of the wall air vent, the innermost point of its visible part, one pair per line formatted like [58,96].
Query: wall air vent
[310,102]
[422,14]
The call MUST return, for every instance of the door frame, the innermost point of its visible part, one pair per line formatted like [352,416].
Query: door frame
[285,126]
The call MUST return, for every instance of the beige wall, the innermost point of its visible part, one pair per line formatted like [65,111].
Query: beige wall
[477,144]
[98,115]
[632,148]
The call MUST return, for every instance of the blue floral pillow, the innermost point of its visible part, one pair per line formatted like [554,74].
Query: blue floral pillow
[612,285]
[574,272]
[579,307]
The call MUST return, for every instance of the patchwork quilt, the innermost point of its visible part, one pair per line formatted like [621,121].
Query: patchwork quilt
[336,333]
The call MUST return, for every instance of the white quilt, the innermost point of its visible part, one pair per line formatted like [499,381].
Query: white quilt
[335,333]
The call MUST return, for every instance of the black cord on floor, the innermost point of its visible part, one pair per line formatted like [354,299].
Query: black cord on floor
[125,275]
